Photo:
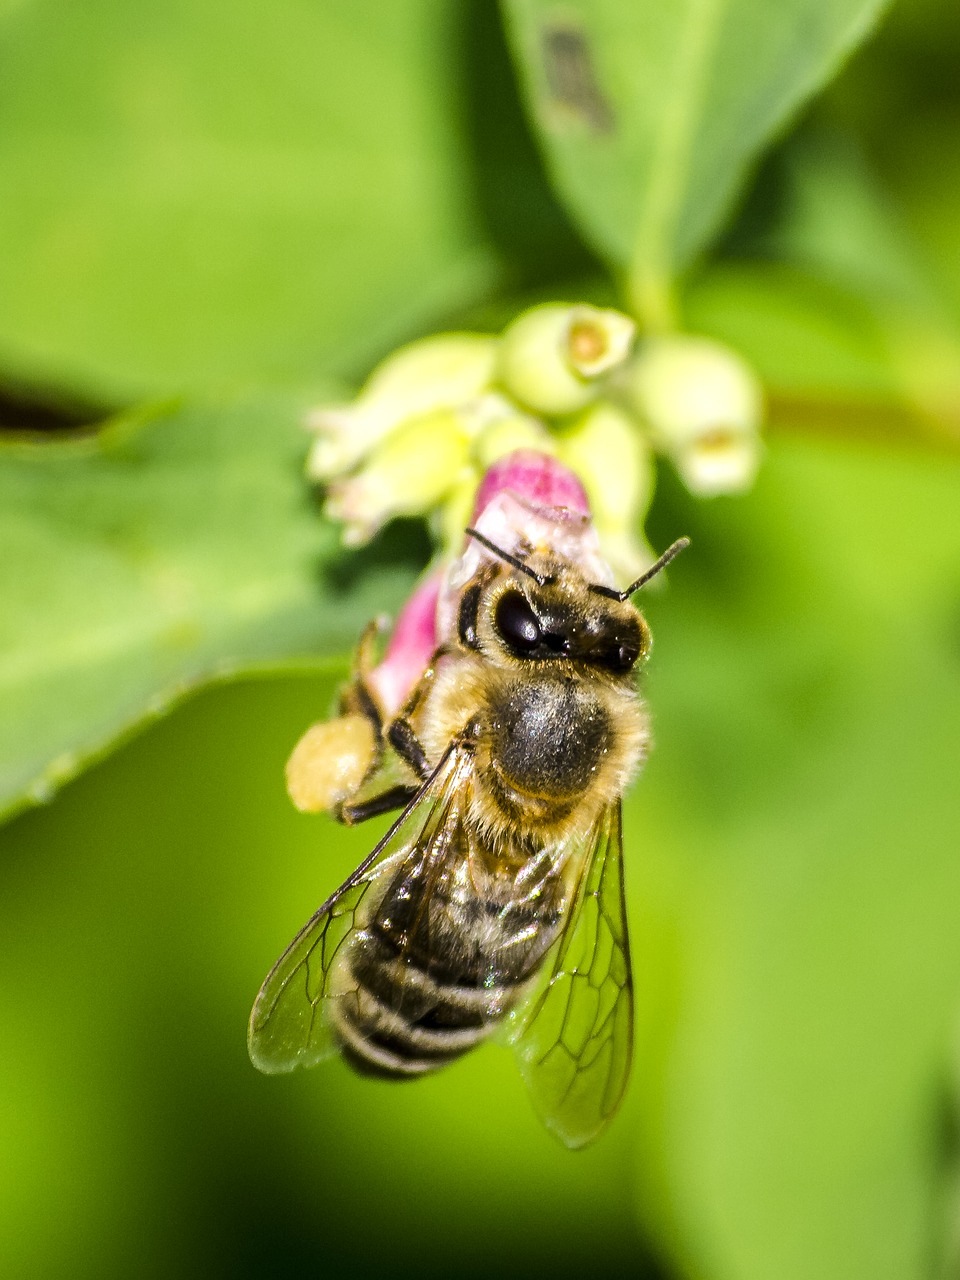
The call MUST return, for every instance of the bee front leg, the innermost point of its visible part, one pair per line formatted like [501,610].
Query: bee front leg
[408,757]
[401,736]
[350,812]
[389,785]
[403,739]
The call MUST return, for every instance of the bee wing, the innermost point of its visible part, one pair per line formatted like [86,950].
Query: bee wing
[575,1036]
[290,1025]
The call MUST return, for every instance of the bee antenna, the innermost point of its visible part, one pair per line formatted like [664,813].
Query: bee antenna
[612,593]
[538,578]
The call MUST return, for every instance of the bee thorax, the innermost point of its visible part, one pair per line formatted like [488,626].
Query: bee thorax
[549,738]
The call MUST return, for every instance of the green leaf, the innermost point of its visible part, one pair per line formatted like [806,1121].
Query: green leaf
[928,187]
[213,195]
[839,309]
[173,547]
[795,875]
[651,115]
[947,1228]
[170,878]
[808,338]
[792,880]
[900,101]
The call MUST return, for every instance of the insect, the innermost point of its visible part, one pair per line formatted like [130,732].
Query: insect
[496,898]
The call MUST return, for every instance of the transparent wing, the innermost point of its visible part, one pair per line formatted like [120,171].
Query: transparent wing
[575,1037]
[290,1025]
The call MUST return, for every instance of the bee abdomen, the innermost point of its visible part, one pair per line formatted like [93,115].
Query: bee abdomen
[405,1012]
[380,1041]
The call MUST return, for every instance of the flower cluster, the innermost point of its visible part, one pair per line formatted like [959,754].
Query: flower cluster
[568,381]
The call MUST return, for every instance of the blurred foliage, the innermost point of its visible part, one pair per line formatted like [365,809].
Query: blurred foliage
[182,546]
[224,200]
[652,114]
[793,884]
[209,196]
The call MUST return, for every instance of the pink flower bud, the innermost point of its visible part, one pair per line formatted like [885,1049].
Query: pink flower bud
[537,478]
[411,647]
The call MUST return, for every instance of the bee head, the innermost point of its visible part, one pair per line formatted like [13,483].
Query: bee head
[562,620]
[545,609]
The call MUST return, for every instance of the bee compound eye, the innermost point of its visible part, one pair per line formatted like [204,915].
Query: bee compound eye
[620,656]
[624,656]
[517,623]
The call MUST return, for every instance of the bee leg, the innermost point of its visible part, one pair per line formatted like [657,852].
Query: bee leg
[405,742]
[357,698]
[395,798]
[392,769]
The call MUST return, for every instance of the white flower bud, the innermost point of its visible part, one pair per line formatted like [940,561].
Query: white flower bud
[408,473]
[441,372]
[702,404]
[514,430]
[722,461]
[552,356]
[451,519]
[605,448]
[497,437]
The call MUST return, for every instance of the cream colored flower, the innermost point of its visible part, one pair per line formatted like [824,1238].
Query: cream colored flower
[441,372]
[409,472]
[606,448]
[552,358]
[703,406]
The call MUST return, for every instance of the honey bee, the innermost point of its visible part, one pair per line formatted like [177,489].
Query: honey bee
[496,898]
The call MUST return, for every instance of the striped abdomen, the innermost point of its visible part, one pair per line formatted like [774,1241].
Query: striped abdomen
[434,970]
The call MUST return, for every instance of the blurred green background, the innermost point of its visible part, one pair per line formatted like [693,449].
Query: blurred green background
[208,201]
